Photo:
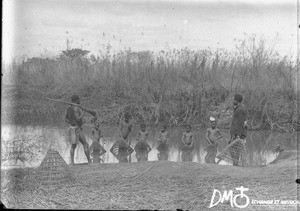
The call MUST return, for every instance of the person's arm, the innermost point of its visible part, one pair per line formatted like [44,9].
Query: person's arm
[91,112]
[168,137]
[129,135]
[206,136]
[242,117]
[220,137]
[78,113]
[93,135]
[120,128]
[139,135]
[101,134]
[67,119]
[130,127]
[183,137]
[159,139]
[192,143]
[219,134]
[245,119]
[147,135]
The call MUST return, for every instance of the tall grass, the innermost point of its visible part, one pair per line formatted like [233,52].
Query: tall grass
[173,86]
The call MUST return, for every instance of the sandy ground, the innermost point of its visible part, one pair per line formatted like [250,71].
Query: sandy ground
[162,185]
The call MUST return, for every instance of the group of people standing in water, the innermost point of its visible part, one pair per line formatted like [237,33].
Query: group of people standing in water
[75,113]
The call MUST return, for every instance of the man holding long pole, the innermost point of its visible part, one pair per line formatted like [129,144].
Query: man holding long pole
[74,117]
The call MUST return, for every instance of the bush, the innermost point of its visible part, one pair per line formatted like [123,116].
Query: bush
[174,86]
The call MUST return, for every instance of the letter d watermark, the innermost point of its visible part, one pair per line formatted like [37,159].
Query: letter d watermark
[212,204]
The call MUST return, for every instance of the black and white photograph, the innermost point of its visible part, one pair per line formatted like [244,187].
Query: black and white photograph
[150,104]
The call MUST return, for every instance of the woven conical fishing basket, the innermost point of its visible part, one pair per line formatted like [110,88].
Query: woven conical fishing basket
[236,150]
[142,147]
[121,149]
[54,170]
[97,148]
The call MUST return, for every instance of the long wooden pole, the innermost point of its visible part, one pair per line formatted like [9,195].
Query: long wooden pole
[61,101]
[73,104]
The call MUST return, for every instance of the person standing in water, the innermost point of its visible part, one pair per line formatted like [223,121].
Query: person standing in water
[188,141]
[163,140]
[96,132]
[125,130]
[238,129]
[213,135]
[74,118]
[96,148]
[143,134]
[142,148]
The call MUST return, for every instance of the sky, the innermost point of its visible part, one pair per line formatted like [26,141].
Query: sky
[41,27]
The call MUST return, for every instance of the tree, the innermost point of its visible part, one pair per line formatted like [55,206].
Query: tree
[74,53]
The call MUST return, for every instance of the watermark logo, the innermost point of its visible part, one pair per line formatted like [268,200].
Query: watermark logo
[242,200]
[229,196]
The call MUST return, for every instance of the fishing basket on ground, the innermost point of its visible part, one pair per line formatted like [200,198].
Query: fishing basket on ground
[54,170]
[121,150]
[234,153]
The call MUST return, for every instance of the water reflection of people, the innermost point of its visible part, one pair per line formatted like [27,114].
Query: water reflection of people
[163,140]
[74,118]
[188,141]
[238,129]
[213,135]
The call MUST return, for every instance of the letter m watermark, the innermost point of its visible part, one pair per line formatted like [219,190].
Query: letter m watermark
[227,196]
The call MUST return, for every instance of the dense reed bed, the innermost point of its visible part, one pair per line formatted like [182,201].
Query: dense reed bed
[173,86]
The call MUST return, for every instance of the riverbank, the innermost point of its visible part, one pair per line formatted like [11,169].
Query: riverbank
[27,145]
[156,185]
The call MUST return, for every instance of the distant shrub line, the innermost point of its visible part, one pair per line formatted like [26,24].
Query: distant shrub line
[173,86]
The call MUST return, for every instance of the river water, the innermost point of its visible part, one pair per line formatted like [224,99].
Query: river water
[26,146]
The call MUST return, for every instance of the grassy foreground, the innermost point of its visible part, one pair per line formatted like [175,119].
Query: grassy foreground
[156,185]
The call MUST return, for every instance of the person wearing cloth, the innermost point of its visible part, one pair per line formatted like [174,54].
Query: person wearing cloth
[96,132]
[143,134]
[188,141]
[126,128]
[96,149]
[213,135]
[163,140]
[238,128]
[142,148]
[125,133]
[74,118]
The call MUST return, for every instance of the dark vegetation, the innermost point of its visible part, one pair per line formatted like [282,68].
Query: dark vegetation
[173,87]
